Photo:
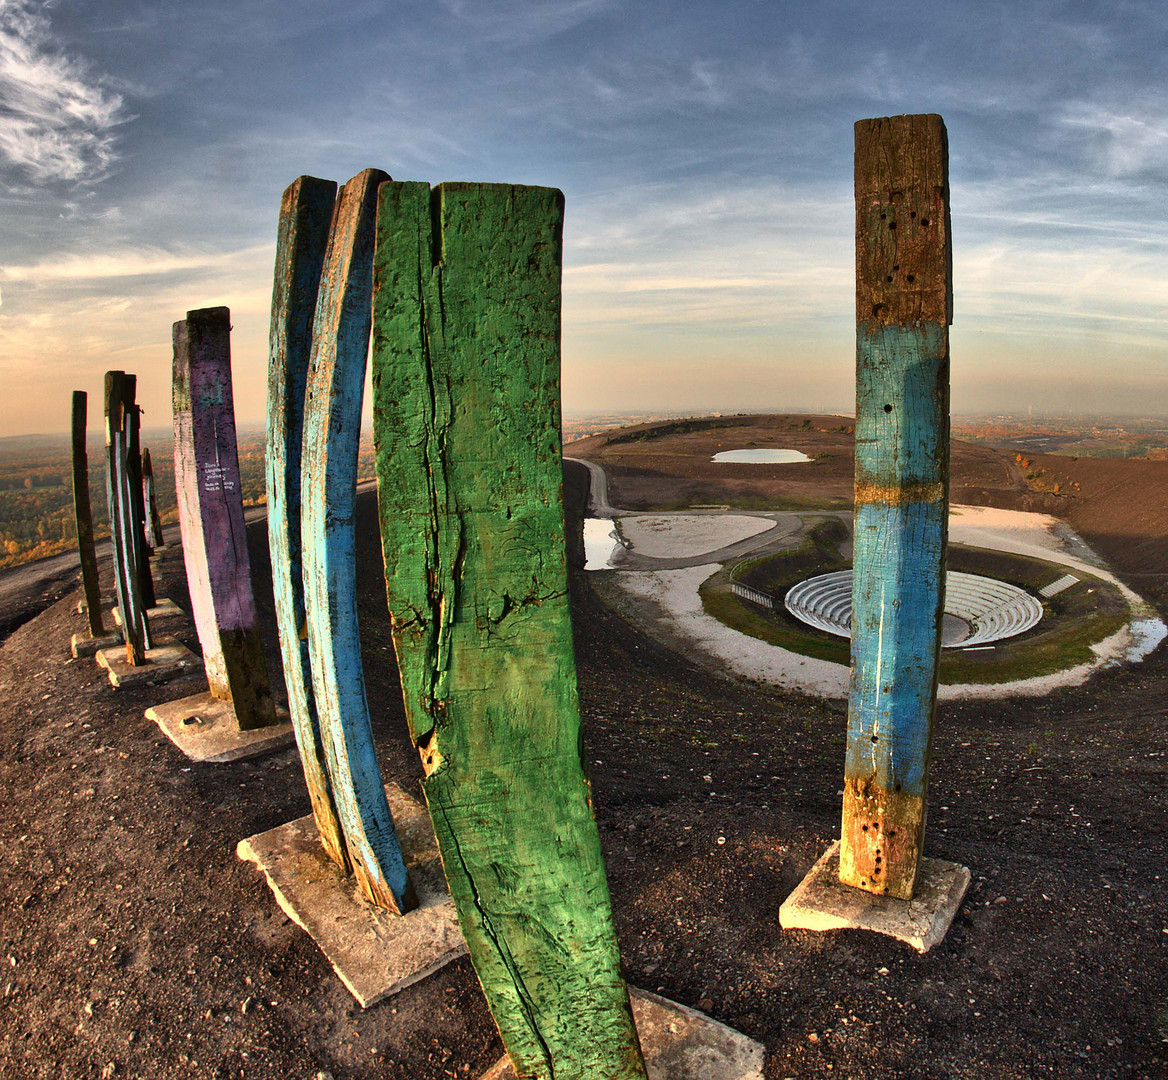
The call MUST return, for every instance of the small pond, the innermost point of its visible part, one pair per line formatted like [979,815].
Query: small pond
[601,543]
[763,456]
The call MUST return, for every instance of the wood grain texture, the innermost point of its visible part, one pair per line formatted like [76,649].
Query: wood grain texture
[120,389]
[210,504]
[306,212]
[83,516]
[332,427]
[467,432]
[903,290]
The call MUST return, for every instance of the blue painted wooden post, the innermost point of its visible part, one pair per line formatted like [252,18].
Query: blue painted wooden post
[119,402]
[903,311]
[305,214]
[332,426]
[83,515]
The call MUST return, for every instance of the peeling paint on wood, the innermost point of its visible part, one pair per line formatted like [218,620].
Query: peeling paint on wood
[305,215]
[210,509]
[903,306]
[119,400]
[332,426]
[83,516]
[467,428]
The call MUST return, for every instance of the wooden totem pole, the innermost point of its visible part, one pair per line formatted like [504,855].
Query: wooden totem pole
[210,505]
[466,352]
[903,312]
[83,515]
[125,535]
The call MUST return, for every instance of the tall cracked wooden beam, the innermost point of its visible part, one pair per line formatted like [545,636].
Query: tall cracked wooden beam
[138,504]
[120,389]
[153,522]
[903,312]
[466,351]
[332,427]
[305,215]
[210,504]
[83,516]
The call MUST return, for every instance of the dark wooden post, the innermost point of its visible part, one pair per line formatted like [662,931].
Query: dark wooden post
[305,214]
[210,503]
[83,515]
[903,311]
[466,350]
[138,504]
[119,403]
[332,426]
[153,522]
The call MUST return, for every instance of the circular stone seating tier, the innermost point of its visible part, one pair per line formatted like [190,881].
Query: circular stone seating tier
[978,609]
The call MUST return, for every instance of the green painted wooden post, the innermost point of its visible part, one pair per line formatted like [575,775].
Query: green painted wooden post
[332,426]
[466,349]
[138,504]
[305,215]
[903,312]
[83,516]
[119,401]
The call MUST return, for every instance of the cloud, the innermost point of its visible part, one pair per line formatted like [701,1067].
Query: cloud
[56,119]
[128,262]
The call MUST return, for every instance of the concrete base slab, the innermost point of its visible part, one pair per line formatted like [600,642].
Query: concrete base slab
[206,729]
[679,1044]
[83,645]
[167,660]
[374,952]
[105,601]
[823,902]
[164,609]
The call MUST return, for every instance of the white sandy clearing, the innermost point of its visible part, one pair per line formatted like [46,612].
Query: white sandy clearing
[683,536]
[1039,535]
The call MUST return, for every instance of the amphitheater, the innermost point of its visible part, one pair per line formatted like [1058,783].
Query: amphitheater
[978,610]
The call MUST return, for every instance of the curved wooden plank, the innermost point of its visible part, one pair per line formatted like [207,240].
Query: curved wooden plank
[467,427]
[332,426]
[305,214]
[83,516]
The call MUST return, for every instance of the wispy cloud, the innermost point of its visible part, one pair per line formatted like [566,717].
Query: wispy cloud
[128,262]
[57,120]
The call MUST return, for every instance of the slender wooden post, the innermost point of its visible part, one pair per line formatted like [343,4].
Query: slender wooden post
[305,214]
[903,311]
[332,426]
[467,428]
[83,515]
[138,505]
[210,502]
[119,402]
[152,521]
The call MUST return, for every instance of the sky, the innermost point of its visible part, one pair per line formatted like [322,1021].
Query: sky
[705,153]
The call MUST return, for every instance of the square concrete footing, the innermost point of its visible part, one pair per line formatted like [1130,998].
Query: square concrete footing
[167,660]
[679,1044]
[83,645]
[822,902]
[105,601]
[374,952]
[164,609]
[206,729]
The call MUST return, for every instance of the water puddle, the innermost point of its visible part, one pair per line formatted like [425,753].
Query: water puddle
[763,456]
[601,543]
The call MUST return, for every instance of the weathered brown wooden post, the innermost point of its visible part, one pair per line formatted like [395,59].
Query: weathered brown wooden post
[903,311]
[466,422]
[83,515]
[119,403]
[332,424]
[153,521]
[210,503]
[305,215]
[138,504]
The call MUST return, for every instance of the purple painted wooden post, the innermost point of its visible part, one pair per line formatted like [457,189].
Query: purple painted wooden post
[83,515]
[210,502]
[119,402]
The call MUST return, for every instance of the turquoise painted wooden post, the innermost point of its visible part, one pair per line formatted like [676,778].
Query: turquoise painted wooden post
[332,426]
[903,311]
[210,504]
[467,426]
[83,516]
[305,215]
[119,401]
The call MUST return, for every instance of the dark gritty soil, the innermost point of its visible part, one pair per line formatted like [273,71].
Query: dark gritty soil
[133,943]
